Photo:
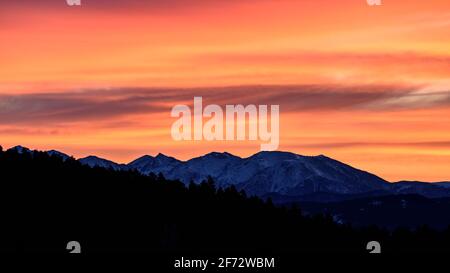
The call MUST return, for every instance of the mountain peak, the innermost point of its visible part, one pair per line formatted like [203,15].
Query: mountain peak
[139,160]
[95,161]
[165,158]
[93,158]
[20,149]
[220,155]
[90,157]
[275,155]
[58,153]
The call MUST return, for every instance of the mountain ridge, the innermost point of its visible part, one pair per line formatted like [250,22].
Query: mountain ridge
[264,173]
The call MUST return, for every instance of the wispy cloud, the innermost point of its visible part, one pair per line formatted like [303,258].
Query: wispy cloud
[108,104]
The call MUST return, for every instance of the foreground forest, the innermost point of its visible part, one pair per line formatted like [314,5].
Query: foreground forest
[47,201]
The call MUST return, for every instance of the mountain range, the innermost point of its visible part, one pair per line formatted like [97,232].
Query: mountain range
[280,175]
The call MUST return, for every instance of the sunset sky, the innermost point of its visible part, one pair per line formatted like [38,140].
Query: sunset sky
[369,86]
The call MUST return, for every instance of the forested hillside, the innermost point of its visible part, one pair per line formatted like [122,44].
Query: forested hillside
[46,202]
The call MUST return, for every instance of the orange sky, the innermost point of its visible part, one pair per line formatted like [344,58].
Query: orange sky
[369,86]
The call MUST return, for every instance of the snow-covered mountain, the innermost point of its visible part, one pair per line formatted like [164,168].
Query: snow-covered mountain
[443,184]
[265,173]
[20,149]
[283,173]
[57,153]
[160,164]
[94,161]
[432,190]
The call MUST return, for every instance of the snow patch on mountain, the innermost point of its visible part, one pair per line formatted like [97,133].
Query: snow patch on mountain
[59,154]
[20,149]
[94,161]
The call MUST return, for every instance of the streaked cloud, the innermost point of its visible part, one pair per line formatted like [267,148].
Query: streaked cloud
[86,105]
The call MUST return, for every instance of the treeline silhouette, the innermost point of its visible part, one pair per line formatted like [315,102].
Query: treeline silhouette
[47,201]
